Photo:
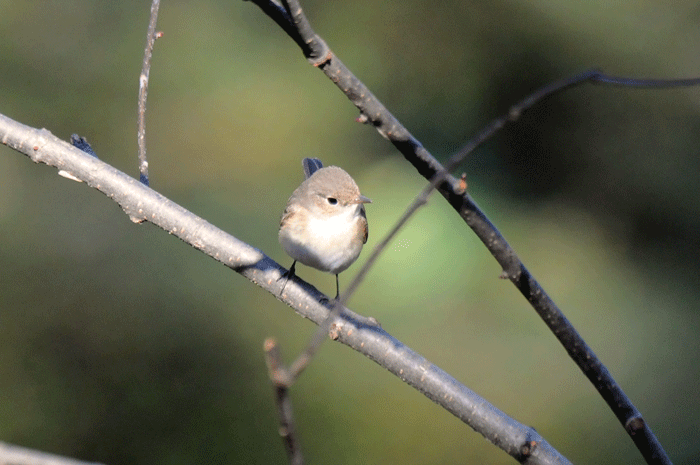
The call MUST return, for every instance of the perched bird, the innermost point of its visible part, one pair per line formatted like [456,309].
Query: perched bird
[324,224]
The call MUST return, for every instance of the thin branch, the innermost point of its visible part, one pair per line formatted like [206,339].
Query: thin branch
[599,78]
[151,37]
[314,48]
[373,112]
[142,203]
[16,455]
[281,381]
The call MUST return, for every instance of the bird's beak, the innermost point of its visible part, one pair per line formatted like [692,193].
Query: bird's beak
[362,199]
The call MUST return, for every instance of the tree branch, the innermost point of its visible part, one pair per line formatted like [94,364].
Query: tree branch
[292,20]
[142,203]
[151,37]
[280,378]
[15,455]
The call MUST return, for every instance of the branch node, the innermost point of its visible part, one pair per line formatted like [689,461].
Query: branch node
[634,425]
[278,374]
[324,59]
[462,184]
[68,175]
[135,219]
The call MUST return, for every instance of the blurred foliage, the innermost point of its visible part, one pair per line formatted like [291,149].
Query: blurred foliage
[120,344]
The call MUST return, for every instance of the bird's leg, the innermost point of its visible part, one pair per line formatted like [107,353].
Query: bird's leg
[289,275]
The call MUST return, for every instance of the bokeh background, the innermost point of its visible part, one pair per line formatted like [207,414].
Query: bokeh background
[120,344]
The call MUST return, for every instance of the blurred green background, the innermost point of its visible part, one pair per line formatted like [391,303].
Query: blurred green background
[120,344]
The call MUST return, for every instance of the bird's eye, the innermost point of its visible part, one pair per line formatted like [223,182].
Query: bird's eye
[332,200]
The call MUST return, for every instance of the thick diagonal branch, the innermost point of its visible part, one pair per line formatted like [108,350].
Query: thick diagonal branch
[142,203]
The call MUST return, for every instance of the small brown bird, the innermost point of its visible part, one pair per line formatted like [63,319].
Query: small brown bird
[324,224]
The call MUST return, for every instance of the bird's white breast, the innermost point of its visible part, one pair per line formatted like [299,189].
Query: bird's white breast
[329,243]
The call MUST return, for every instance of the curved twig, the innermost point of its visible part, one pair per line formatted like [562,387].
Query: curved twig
[279,377]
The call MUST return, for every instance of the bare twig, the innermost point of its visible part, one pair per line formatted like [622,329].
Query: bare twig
[142,203]
[373,112]
[281,381]
[151,37]
[16,455]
